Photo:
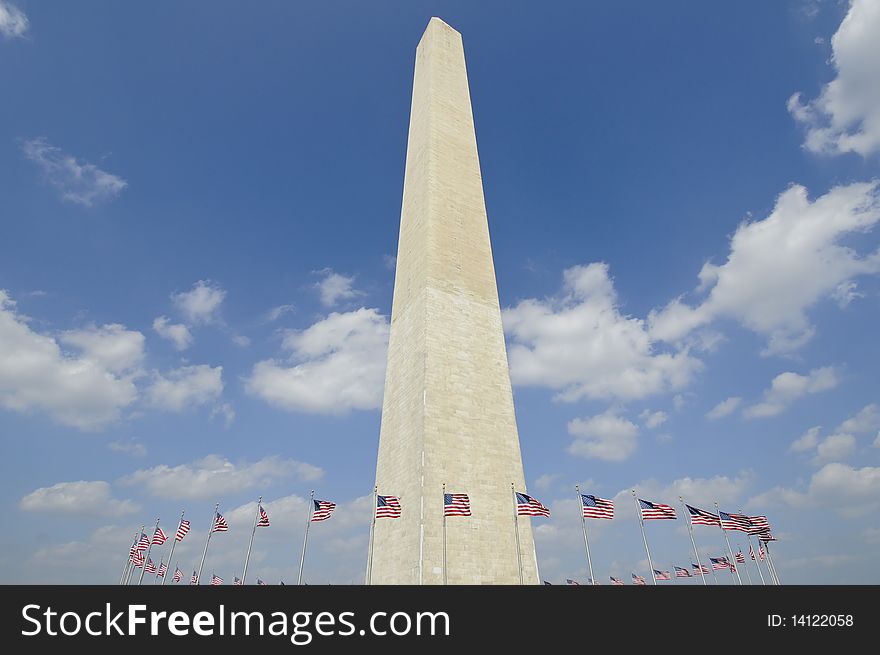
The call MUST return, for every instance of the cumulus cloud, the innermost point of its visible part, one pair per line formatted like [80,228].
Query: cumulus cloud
[834,448]
[724,408]
[653,419]
[605,436]
[277,312]
[86,390]
[130,447]
[807,441]
[176,333]
[335,287]
[82,498]
[79,182]
[780,267]
[186,386]
[867,420]
[850,491]
[788,387]
[581,345]
[698,492]
[214,476]
[845,117]
[13,22]
[335,365]
[201,304]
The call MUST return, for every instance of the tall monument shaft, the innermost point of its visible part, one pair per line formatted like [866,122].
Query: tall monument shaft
[447,414]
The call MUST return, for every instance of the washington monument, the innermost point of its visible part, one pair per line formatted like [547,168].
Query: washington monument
[447,414]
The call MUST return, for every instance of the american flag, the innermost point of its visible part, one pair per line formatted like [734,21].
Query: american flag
[323,510]
[656,510]
[740,558]
[264,519]
[702,517]
[136,557]
[569,581]
[739,522]
[182,530]
[662,575]
[456,505]
[139,561]
[751,553]
[178,574]
[681,573]
[637,579]
[151,568]
[163,569]
[617,582]
[700,569]
[159,537]
[260,583]
[719,563]
[144,542]
[759,524]
[236,581]
[216,580]
[220,524]
[597,508]
[194,579]
[761,552]
[528,506]
[766,536]
[387,507]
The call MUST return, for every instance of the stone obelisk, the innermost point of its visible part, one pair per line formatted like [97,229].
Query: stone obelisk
[447,415]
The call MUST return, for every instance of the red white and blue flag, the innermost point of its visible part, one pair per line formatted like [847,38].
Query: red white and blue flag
[681,573]
[616,582]
[739,522]
[387,507]
[194,579]
[575,583]
[236,581]
[264,519]
[182,529]
[151,568]
[700,569]
[163,569]
[740,558]
[597,508]
[528,506]
[637,579]
[159,537]
[220,524]
[144,542]
[702,517]
[456,505]
[178,574]
[656,510]
[719,563]
[260,583]
[216,580]
[662,575]
[322,510]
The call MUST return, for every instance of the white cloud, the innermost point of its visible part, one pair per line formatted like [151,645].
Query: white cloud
[225,410]
[336,365]
[186,386]
[79,391]
[581,345]
[779,267]
[80,498]
[214,476]
[241,340]
[13,22]
[176,333]
[130,447]
[82,183]
[653,419]
[546,481]
[724,408]
[335,287]
[807,441]
[846,115]
[110,346]
[277,312]
[788,387]
[850,491]
[867,420]
[605,436]
[834,448]
[698,492]
[201,304]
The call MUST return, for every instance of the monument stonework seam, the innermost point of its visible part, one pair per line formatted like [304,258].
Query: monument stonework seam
[447,414]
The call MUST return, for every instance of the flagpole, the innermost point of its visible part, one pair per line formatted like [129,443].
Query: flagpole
[445,575]
[732,559]
[157,572]
[132,567]
[644,538]
[207,541]
[516,532]
[685,512]
[746,569]
[128,561]
[147,556]
[754,556]
[372,531]
[772,564]
[250,545]
[714,577]
[173,544]
[302,558]
[577,489]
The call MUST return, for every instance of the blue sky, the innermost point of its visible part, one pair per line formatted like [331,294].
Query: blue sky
[199,208]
